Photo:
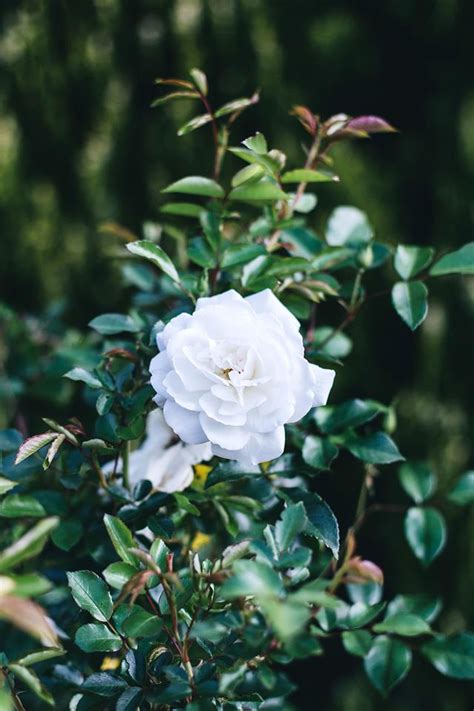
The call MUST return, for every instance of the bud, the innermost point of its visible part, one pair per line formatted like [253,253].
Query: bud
[365,257]
[363,571]
[390,421]
[278,156]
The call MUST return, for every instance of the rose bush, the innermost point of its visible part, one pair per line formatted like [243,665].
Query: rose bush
[133,577]
[233,373]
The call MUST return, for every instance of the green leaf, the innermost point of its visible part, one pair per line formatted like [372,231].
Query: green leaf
[322,524]
[129,700]
[410,301]
[387,663]
[333,258]
[174,95]
[29,545]
[410,261]
[257,143]
[142,624]
[104,684]
[357,642]
[200,79]
[154,253]
[304,175]
[425,531]
[463,491]
[348,226]
[10,440]
[110,324]
[241,253]
[418,480]
[252,578]
[403,623]
[314,593]
[264,271]
[331,344]
[235,105]
[41,656]
[304,204]
[452,656]
[30,679]
[424,606]
[319,452]
[21,505]
[97,638]
[361,614]
[6,485]
[196,185]
[200,253]
[84,376]
[459,262]
[193,124]
[262,191]
[67,534]
[287,618]
[91,594]
[352,413]
[121,538]
[271,166]
[184,209]
[377,448]
[34,444]
[118,574]
[30,585]
[291,523]
[250,173]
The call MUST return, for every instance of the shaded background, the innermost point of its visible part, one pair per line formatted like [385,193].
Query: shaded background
[79,145]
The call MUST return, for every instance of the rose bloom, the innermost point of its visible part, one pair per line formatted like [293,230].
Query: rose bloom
[234,373]
[167,463]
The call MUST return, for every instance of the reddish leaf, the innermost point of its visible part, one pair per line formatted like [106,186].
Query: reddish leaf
[370,124]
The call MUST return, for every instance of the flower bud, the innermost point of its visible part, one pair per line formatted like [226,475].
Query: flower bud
[365,257]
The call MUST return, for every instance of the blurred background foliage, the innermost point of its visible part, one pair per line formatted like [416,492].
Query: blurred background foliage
[80,146]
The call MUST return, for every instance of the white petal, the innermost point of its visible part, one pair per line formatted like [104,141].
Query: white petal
[265,302]
[160,366]
[184,423]
[157,430]
[176,389]
[172,328]
[303,389]
[227,298]
[226,436]
[171,471]
[323,379]
[211,406]
[260,448]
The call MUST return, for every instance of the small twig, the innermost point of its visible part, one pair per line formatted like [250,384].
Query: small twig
[125,464]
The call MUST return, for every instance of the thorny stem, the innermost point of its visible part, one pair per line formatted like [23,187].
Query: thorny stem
[374,508]
[126,464]
[356,289]
[116,632]
[215,135]
[98,470]
[311,160]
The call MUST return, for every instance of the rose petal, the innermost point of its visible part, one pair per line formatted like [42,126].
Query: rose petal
[184,423]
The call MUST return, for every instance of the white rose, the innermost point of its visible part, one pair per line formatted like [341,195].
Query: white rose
[233,373]
[166,463]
